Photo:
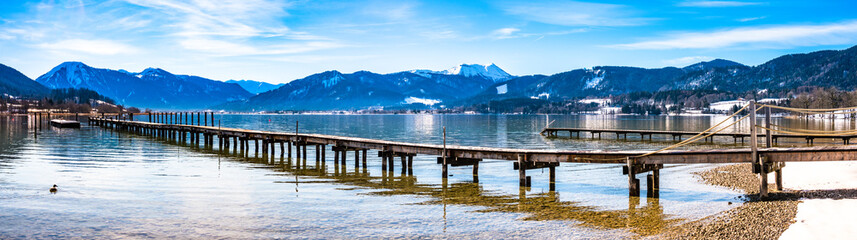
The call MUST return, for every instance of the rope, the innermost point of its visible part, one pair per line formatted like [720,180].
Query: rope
[813,110]
[808,134]
[691,139]
[812,131]
[686,143]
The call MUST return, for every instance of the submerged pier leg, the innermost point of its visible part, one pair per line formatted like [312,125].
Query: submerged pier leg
[344,162]
[410,164]
[384,162]
[273,150]
[633,182]
[779,176]
[323,158]
[404,161]
[335,159]
[475,172]
[522,171]
[255,145]
[365,154]
[552,178]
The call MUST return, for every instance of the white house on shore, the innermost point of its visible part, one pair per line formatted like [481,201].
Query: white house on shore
[725,106]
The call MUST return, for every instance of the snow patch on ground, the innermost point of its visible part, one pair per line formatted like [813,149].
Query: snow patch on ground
[594,81]
[502,89]
[822,218]
[425,101]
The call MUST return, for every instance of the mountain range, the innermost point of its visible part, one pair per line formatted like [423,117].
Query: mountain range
[462,85]
[333,90]
[152,88]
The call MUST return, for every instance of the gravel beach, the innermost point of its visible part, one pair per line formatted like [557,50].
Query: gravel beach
[754,219]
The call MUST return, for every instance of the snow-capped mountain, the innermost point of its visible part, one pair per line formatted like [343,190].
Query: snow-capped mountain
[492,72]
[255,87]
[151,88]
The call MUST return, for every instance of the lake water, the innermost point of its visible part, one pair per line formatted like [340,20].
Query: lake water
[119,185]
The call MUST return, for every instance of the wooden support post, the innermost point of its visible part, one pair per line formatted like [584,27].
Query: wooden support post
[475,171]
[298,152]
[404,164]
[264,147]
[336,158]
[391,164]
[779,178]
[317,154]
[273,149]
[304,148]
[290,150]
[364,158]
[242,140]
[522,171]
[323,157]
[754,152]
[552,180]
[255,145]
[633,182]
[220,143]
[384,162]
[282,149]
[410,164]
[445,171]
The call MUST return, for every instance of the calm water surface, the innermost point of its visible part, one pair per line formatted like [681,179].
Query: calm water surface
[119,185]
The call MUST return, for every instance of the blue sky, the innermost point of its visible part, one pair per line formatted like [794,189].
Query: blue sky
[279,41]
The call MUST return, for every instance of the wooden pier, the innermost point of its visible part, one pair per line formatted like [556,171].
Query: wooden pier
[678,135]
[65,123]
[197,129]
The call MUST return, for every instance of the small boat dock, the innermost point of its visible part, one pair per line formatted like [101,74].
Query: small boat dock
[60,123]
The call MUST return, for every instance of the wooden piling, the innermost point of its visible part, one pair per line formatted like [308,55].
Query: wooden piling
[551,178]
[522,171]
[754,152]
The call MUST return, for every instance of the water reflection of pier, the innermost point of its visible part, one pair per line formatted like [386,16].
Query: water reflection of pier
[645,220]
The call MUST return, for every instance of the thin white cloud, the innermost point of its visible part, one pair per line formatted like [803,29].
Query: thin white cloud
[504,33]
[717,4]
[762,37]
[751,19]
[226,48]
[97,47]
[684,61]
[234,27]
[509,33]
[574,13]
